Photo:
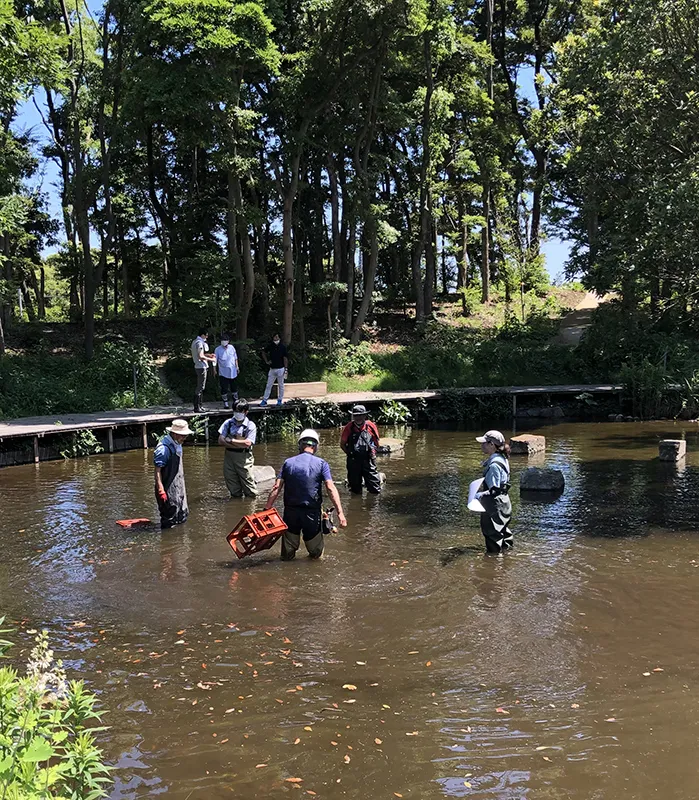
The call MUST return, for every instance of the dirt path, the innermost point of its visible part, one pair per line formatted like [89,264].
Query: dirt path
[576,322]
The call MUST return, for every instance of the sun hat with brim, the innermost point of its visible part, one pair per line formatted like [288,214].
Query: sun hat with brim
[358,410]
[494,437]
[180,427]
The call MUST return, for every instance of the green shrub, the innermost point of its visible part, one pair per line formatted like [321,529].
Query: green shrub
[393,412]
[350,359]
[47,733]
[81,443]
[39,383]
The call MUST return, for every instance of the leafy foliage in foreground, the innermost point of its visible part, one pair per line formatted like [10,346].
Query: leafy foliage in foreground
[47,732]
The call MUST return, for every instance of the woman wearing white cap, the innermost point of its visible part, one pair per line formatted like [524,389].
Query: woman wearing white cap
[494,495]
[170,490]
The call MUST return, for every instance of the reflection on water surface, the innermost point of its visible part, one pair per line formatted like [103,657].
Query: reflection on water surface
[475,676]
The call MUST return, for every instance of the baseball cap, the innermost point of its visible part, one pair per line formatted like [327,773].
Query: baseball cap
[495,437]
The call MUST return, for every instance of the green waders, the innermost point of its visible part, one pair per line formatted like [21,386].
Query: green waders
[237,472]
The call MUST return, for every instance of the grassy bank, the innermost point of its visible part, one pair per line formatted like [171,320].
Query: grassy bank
[486,347]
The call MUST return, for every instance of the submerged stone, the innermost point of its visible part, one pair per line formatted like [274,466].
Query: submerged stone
[264,476]
[388,446]
[672,449]
[535,479]
[527,444]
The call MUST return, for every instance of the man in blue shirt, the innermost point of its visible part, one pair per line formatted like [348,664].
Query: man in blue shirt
[238,435]
[170,490]
[227,366]
[302,478]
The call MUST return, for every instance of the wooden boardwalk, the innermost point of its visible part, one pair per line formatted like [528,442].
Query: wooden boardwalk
[36,428]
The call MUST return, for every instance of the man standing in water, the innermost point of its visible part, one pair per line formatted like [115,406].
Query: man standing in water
[170,490]
[359,441]
[238,435]
[201,358]
[302,478]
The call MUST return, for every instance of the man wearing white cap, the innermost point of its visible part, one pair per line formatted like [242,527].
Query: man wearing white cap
[170,490]
[302,478]
[494,494]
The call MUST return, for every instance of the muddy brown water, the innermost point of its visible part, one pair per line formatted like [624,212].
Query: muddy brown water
[227,679]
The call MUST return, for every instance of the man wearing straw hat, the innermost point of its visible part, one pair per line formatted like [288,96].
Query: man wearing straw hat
[170,491]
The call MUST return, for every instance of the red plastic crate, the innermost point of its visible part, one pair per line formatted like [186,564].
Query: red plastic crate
[256,532]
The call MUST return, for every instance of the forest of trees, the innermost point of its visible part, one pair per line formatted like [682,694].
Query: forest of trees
[258,156]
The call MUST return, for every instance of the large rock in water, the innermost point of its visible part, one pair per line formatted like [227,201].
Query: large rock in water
[265,477]
[388,446]
[527,444]
[672,449]
[535,479]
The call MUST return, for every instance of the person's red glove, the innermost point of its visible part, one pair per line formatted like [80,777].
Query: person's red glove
[163,496]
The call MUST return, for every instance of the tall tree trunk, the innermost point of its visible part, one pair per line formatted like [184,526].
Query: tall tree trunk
[335,227]
[485,232]
[430,268]
[370,267]
[42,292]
[236,271]
[31,314]
[7,307]
[351,250]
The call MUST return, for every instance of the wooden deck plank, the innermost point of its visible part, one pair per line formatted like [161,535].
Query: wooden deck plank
[67,423]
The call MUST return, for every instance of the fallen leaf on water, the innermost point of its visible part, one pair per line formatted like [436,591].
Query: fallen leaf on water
[179,633]
[267,633]
[181,641]
[646,674]
[467,784]
[428,663]
[287,641]
[349,702]
[658,669]
[501,711]
[259,766]
[611,719]
[361,663]
[546,758]
[385,706]
[308,728]
[545,747]
[279,701]
[297,741]
[223,741]
[203,666]
[313,794]
[414,733]
[229,711]
[294,780]
[347,759]
[334,744]
[79,624]
[575,705]
[350,686]
[300,688]
[378,741]
[397,794]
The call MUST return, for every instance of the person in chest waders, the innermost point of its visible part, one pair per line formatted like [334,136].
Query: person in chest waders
[359,441]
[238,435]
[494,496]
[170,491]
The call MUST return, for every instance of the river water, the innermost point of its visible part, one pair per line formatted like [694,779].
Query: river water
[566,669]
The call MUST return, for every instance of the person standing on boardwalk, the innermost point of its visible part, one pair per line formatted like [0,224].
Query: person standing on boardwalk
[360,441]
[170,491]
[302,478]
[201,358]
[275,357]
[494,494]
[227,366]
[238,435]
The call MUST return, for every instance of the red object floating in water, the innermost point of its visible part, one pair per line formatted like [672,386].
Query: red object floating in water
[133,523]
[256,532]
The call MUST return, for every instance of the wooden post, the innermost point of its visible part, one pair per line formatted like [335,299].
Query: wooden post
[145,436]
[514,406]
[36,449]
[110,440]
[206,430]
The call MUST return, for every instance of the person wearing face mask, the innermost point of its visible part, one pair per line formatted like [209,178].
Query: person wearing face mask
[494,494]
[276,357]
[201,358]
[227,365]
[238,436]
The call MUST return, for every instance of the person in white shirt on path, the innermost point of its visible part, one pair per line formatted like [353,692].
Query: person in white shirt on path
[201,358]
[227,366]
